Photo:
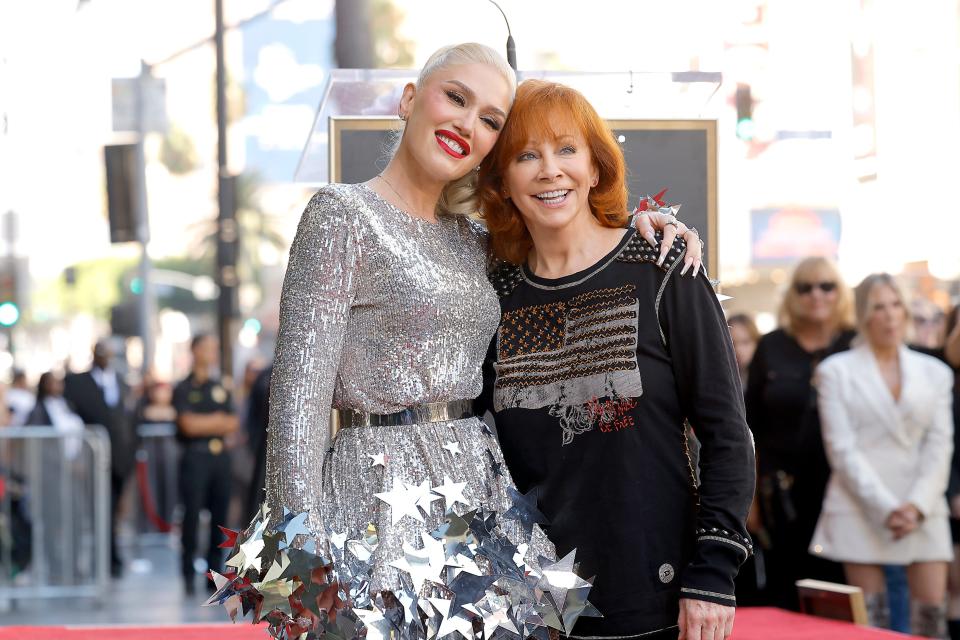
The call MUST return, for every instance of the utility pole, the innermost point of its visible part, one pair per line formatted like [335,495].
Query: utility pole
[227,232]
[146,300]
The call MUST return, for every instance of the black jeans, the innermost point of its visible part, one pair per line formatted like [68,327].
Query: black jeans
[204,484]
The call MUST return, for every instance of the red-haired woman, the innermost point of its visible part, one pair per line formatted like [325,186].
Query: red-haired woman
[603,352]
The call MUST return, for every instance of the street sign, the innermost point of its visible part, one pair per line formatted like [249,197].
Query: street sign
[154,104]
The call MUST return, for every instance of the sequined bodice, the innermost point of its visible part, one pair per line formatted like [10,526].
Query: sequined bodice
[379,310]
[422,313]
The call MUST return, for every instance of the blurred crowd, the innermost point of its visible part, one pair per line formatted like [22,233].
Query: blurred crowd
[858,478]
[849,401]
[220,437]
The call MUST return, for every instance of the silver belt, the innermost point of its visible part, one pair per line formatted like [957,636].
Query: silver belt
[417,414]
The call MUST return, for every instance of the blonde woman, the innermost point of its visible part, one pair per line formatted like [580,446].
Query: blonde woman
[815,322]
[888,431]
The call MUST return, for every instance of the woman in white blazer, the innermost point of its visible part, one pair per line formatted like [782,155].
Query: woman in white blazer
[888,433]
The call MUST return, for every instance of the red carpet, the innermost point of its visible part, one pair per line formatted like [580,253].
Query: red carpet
[762,623]
[751,624]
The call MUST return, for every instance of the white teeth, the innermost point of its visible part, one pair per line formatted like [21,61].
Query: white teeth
[553,197]
[452,144]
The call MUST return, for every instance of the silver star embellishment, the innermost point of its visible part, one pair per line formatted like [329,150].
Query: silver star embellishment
[402,501]
[423,494]
[496,616]
[452,492]
[451,624]
[378,460]
[558,578]
[422,564]
[453,448]
[378,627]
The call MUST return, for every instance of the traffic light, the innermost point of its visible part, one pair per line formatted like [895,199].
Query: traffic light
[9,314]
[744,103]
[9,307]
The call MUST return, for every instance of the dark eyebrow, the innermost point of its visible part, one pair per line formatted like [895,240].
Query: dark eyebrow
[467,90]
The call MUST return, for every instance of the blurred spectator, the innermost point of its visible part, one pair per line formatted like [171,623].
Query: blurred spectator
[52,409]
[240,447]
[950,353]
[745,336]
[20,398]
[205,416]
[100,397]
[815,322]
[156,405]
[4,407]
[888,431]
[258,415]
[928,324]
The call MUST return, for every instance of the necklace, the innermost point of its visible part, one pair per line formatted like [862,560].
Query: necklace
[410,208]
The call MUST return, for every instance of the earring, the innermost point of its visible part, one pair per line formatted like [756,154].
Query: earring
[402,116]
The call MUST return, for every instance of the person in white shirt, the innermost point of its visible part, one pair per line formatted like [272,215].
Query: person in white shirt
[20,399]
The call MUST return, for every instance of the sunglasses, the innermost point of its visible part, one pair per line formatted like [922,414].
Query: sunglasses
[803,288]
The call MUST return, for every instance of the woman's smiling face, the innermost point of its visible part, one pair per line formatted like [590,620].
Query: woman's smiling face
[454,118]
[549,180]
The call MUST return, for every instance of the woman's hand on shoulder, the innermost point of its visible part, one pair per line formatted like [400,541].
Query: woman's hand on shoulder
[648,222]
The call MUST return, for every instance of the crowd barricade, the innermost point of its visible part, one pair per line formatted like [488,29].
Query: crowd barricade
[156,480]
[54,513]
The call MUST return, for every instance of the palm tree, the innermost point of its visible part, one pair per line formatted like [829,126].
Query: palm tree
[256,228]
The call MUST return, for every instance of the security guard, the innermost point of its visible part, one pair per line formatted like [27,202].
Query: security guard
[205,415]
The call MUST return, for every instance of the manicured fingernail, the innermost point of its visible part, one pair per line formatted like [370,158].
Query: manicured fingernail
[686,266]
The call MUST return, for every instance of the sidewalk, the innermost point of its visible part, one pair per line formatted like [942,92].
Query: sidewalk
[149,593]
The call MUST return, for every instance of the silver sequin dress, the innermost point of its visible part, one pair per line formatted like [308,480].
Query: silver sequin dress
[381,310]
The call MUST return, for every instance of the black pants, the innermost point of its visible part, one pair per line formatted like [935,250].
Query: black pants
[117,484]
[204,484]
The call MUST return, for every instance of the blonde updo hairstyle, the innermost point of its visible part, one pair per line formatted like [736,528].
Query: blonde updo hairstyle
[460,197]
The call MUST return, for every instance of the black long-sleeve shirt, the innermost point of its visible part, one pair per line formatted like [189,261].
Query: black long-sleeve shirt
[595,375]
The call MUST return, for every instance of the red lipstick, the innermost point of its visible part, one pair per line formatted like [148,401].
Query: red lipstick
[450,135]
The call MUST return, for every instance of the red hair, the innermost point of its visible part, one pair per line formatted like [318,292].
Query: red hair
[547,111]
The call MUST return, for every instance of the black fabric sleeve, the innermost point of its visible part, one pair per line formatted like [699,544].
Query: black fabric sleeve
[484,401]
[708,385]
[179,399]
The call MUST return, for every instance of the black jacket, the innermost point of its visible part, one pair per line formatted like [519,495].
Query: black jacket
[86,396]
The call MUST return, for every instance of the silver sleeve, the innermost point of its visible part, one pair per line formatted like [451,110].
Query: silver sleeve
[314,308]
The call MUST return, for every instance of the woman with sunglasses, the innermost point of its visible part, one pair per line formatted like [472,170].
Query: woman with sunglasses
[815,321]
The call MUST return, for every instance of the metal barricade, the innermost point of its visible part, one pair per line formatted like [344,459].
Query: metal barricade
[157,491]
[54,513]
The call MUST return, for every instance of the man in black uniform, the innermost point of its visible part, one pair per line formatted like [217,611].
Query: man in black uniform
[205,415]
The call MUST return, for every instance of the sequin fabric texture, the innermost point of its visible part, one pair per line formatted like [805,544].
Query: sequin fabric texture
[379,311]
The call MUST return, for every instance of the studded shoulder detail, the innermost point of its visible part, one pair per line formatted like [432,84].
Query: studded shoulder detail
[504,276]
[639,250]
